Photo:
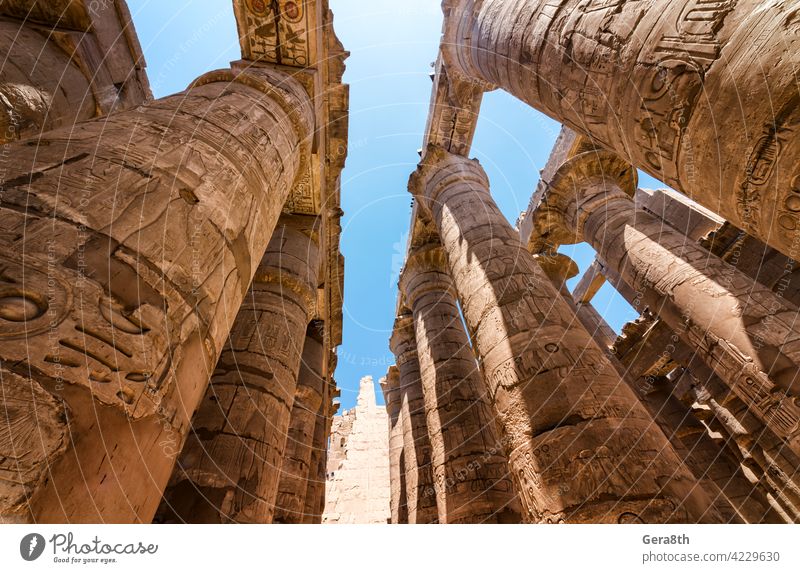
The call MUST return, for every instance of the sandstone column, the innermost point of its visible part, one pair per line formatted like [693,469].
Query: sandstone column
[393,399]
[756,447]
[296,469]
[315,490]
[649,371]
[470,472]
[650,80]
[580,446]
[230,466]
[420,493]
[741,329]
[127,247]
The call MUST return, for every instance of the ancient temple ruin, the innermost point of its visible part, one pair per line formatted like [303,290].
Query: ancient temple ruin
[171,282]
[357,487]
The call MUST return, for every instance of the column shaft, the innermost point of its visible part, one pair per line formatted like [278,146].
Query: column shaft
[296,469]
[135,238]
[740,328]
[580,446]
[229,468]
[420,490]
[315,491]
[650,80]
[473,484]
[393,399]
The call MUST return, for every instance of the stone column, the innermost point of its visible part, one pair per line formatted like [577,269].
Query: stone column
[470,472]
[756,446]
[648,369]
[230,466]
[393,399]
[745,332]
[296,468]
[580,446]
[315,491]
[127,246]
[650,80]
[420,493]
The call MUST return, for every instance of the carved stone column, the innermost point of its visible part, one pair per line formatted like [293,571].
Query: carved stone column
[580,446]
[648,368]
[127,247]
[315,490]
[230,466]
[393,399]
[650,80]
[296,468]
[745,332]
[470,471]
[420,492]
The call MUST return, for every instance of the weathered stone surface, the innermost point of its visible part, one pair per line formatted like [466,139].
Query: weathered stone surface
[741,329]
[126,307]
[648,373]
[65,63]
[296,472]
[357,489]
[33,434]
[569,451]
[472,480]
[665,71]
[317,468]
[230,467]
[420,490]
[392,396]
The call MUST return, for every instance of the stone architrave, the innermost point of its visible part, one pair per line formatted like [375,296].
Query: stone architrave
[581,448]
[650,80]
[469,468]
[420,491]
[64,63]
[128,244]
[230,467]
[745,332]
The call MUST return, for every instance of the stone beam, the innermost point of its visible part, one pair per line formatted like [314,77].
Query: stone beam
[591,281]
[453,112]
[66,61]
[679,212]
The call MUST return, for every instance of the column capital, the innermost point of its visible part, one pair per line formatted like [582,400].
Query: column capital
[558,267]
[279,85]
[580,185]
[438,169]
[390,385]
[425,270]
[403,342]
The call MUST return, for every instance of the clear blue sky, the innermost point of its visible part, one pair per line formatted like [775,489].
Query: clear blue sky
[392,46]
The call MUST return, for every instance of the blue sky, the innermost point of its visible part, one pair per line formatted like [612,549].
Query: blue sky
[392,48]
